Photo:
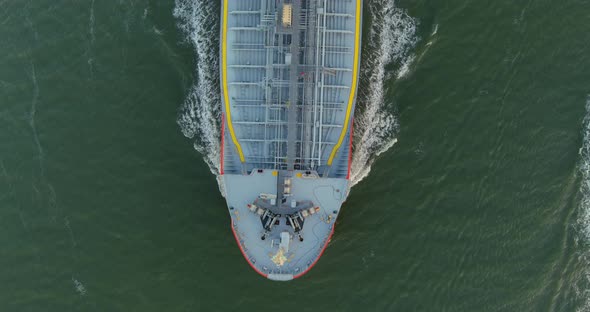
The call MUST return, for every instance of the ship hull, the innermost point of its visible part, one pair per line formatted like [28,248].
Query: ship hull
[289,78]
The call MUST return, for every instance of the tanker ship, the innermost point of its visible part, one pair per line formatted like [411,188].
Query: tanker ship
[289,75]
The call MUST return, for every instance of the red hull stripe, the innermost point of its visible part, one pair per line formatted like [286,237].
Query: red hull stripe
[321,253]
[244,254]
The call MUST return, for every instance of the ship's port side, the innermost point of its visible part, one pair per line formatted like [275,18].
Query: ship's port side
[289,73]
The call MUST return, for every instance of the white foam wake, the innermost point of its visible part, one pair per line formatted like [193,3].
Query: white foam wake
[583,222]
[585,171]
[391,39]
[201,111]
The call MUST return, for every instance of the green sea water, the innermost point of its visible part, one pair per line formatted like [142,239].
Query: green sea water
[472,122]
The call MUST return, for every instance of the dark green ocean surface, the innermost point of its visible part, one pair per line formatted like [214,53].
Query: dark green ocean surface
[481,205]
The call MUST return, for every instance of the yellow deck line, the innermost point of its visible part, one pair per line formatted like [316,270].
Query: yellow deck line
[354,82]
[224,83]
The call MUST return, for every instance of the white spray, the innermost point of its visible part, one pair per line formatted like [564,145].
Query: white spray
[199,117]
[583,222]
[585,171]
[392,37]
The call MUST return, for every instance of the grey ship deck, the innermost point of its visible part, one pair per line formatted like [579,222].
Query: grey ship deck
[289,74]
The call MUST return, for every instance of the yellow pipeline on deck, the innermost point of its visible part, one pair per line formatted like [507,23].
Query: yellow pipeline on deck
[230,126]
[352,96]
